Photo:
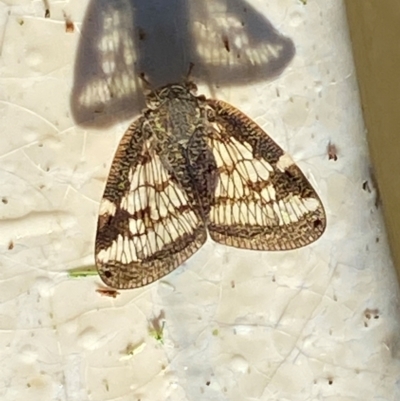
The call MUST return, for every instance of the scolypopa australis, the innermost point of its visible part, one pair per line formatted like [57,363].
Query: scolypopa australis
[190,165]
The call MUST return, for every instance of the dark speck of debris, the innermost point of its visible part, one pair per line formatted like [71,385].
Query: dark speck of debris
[46,6]
[142,34]
[370,314]
[226,43]
[69,25]
[332,151]
[107,292]
[366,187]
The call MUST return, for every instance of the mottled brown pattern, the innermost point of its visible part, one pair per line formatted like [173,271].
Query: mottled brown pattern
[172,139]
[173,122]
[288,183]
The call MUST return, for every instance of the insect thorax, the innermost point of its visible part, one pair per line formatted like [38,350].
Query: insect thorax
[176,118]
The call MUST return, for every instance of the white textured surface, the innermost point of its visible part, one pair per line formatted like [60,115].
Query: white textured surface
[319,323]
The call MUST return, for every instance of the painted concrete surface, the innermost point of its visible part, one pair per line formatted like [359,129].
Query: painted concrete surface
[318,323]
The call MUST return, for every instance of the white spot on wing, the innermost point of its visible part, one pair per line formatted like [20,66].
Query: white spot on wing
[263,168]
[268,193]
[107,207]
[136,226]
[103,256]
[284,212]
[284,162]
[277,211]
[311,204]
[241,151]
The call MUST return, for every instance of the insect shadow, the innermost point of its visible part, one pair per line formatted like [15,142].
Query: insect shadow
[228,41]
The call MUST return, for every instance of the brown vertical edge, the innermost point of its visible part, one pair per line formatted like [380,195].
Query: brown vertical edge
[375,33]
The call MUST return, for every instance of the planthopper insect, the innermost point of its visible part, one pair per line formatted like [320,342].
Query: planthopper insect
[191,165]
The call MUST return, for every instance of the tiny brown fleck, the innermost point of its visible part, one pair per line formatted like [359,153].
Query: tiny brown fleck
[142,34]
[332,151]
[370,314]
[69,25]
[366,187]
[107,292]
[225,40]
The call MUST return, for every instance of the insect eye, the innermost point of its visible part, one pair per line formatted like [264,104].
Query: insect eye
[210,115]
[152,104]
[152,101]
[191,87]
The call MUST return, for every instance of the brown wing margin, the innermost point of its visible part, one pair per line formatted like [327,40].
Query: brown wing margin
[146,225]
[263,200]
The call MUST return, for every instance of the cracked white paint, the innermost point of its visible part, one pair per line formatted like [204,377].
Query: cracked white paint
[313,324]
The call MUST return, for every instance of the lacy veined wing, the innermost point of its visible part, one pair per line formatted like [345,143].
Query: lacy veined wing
[148,223]
[262,199]
[189,165]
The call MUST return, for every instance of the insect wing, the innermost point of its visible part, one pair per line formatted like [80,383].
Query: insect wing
[147,226]
[262,199]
